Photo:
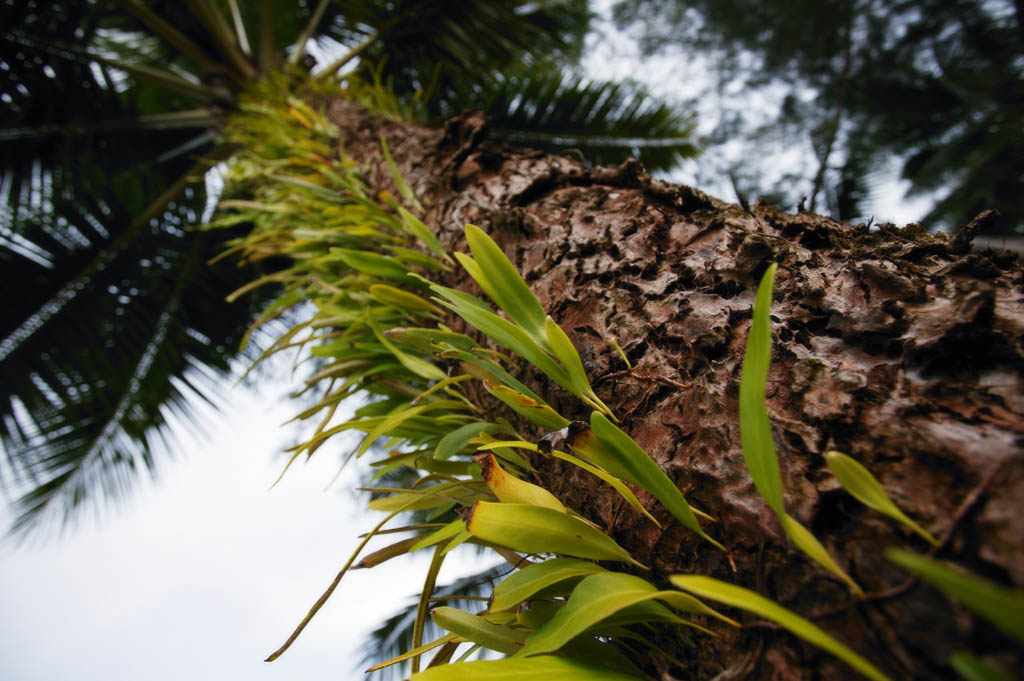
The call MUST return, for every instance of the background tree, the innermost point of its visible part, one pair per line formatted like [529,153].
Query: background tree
[933,87]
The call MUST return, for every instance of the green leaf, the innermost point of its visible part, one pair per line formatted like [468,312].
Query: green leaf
[859,482]
[809,544]
[534,529]
[598,597]
[415,652]
[566,353]
[500,279]
[535,411]
[400,184]
[418,229]
[755,428]
[632,458]
[1001,606]
[976,669]
[458,439]
[546,667]
[616,484]
[745,599]
[474,628]
[372,263]
[403,300]
[416,365]
[531,579]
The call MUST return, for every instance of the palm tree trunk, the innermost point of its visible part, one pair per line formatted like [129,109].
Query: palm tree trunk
[896,347]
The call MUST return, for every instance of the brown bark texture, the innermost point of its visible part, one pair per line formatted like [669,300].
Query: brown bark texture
[899,348]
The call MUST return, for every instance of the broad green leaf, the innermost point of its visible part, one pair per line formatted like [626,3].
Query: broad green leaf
[455,441]
[474,628]
[755,428]
[858,481]
[976,669]
[598,597]
[534,529]
[809,544]
[1001,606]
[523,584]
[418,229]
[543,668]
[630,457]
[511,490]
[403,300]
[745,599]
[535,411]
[400,183]
[505,286]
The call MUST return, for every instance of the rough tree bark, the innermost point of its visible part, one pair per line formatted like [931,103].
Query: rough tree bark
[897,347]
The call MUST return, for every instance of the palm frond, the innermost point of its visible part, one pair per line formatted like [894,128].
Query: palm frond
[544,106]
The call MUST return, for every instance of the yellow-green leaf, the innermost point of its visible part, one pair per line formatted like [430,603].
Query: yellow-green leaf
[403,300]
[755,428]
[400,183]
[372,263]
[809,544]
[859,482]
[531,579]
[418,229]
[536,411]
[511,490]
[504,285]
[598,597]
[543,668]
[745,599]
[976,669]
[565,351]
[1001,606]
[534,529]
[455,441]
[632,458]
[415,652]
[474,628]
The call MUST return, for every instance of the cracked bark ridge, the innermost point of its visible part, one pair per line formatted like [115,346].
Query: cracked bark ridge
[892,345]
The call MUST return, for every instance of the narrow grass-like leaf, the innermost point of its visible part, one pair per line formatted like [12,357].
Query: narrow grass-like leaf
[523,584]
[372,263]
[598,597]
[511,490]
[1001,606]
[809,544]
[546,667]
[421,607]
[424,339]
[632,458]
[975,669]
[566,353]
[415,652]
[755,428]
[527,407]
[616,484]
[437,536]
[745,599]
[417,365]
[399,181]
[859,482]
[399,548]
[403,300]
[474,628]
[505,286]
[534,529]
